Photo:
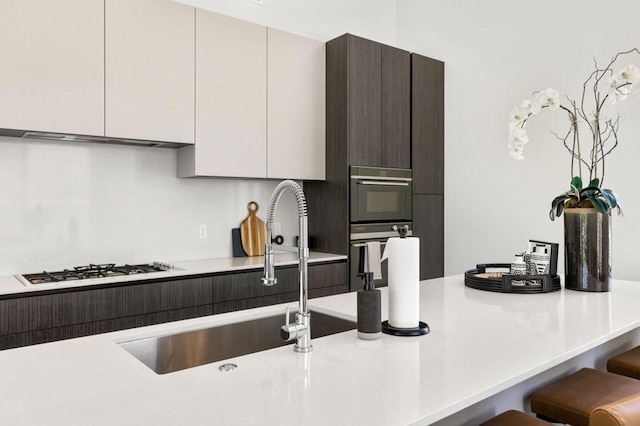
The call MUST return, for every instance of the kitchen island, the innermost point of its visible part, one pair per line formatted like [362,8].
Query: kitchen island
[485,350]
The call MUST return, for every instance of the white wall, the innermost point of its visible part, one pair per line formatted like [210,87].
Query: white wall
[321,20]
[63,204]
[497,53]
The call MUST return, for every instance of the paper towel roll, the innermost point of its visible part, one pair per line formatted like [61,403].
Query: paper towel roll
[403,255]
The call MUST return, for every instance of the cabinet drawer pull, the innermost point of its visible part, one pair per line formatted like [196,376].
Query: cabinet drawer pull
[371,182]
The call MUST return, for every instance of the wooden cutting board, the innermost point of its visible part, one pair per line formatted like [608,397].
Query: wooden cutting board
[253,232]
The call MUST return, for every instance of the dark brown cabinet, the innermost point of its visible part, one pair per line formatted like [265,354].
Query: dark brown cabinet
[70,313]
[243,290]
[396,108]
[427,125]
[38,318]
[385,107]
[427,161]
[428,213]
[368,124]
[362,60]
[372,85]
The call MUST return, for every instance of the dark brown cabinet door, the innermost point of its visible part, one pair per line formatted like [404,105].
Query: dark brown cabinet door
[396,108]
[165,296]
[427,124]
[428,225]
[246,285]
[328,275]
[243,290]
[379,103]
[44,318]
[364,101]
[55,310]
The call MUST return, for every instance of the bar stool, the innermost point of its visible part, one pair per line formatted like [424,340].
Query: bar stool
[573,398]
[625,411]
[514,418]
[627,363]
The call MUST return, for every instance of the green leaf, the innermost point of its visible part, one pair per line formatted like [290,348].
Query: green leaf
[590,192]
[559,209]
[560,198]
[575,192]
[599,205]
[610,196]
[557,205]
[576,182]
[595,182]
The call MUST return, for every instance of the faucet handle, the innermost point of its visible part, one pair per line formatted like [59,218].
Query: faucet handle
[289,331]
[287,311]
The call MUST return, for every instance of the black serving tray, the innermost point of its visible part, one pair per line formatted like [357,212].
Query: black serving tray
[506,283]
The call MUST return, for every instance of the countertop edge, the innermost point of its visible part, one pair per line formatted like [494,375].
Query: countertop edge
[11,286]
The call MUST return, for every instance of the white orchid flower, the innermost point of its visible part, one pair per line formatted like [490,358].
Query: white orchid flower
[630,74]
[516,150]
[623,84]
[548,98]
[518,116]
[517,138]
[532,106]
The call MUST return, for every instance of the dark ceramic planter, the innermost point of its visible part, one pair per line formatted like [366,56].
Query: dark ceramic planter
[587,250]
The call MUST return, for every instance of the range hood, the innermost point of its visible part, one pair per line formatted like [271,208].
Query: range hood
[62,137]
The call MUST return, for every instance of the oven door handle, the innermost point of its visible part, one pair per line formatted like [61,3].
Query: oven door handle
[382,243]
[379,183]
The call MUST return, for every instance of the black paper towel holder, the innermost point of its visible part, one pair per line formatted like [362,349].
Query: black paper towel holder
[420,330]
[402,231]
[423,327]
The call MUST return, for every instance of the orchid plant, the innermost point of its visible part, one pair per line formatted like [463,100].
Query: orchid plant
[601,88]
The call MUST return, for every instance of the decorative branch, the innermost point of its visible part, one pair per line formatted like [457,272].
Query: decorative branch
[602,85]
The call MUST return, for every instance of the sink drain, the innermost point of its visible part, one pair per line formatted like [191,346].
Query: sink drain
[227,367]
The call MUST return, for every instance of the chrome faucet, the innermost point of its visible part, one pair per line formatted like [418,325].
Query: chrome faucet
[301,329]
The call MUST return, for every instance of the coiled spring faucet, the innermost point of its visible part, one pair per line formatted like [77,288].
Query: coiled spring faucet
[301,329]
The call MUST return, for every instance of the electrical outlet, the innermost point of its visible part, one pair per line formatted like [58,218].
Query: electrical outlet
[202,231]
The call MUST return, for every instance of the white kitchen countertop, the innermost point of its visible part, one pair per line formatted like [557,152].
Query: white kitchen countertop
[480,344]
[11,284]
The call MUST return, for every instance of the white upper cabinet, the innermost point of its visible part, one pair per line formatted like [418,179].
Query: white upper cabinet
[260,103]
[231,99]
[296,107]
[247,101]
[150,68]
[52,67]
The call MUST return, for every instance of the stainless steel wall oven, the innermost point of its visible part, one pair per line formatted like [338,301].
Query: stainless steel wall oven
[379,199]
[380,194]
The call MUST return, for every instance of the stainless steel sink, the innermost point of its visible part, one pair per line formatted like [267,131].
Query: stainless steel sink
[169,353]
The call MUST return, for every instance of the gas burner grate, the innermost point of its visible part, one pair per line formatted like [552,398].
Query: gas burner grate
[92,270]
